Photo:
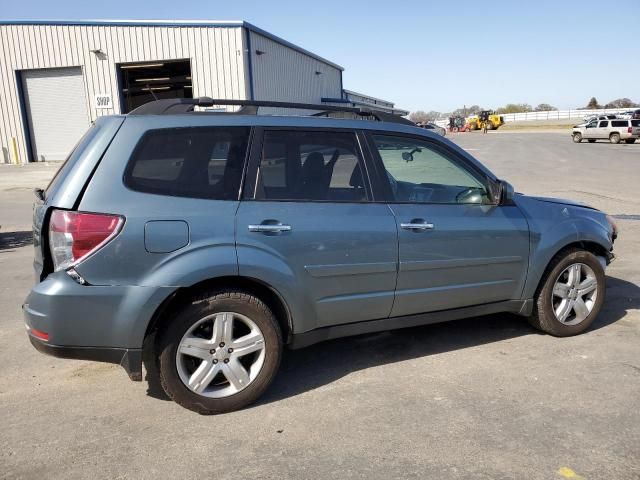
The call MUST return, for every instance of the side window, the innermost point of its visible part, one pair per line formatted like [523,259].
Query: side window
[311,165]
[619,123]
[200,162]
[603,124]
[592,124]
[421,172]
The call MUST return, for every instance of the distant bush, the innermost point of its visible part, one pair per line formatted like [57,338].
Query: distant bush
[545,107]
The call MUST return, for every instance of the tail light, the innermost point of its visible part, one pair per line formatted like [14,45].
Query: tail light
[73,236]
[630,130]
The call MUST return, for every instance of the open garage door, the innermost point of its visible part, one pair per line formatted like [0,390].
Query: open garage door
[56,109]
[144,82]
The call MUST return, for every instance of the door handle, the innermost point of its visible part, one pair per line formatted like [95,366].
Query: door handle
[417,225]
[266,228]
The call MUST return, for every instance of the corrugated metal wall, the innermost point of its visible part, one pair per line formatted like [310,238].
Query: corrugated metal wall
[218,63]
[284,74]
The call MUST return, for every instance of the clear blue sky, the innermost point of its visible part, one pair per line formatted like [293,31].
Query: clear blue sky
[428,55]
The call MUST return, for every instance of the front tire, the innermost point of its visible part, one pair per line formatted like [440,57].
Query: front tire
[577,137]
[570,295]
[220,352]
[614,138]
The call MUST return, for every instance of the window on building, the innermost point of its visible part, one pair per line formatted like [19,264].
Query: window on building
[144,82]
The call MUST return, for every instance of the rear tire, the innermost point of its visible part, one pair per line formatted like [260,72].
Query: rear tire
[568,275]
[591,140]
[577,137]
[202,351]
[614,138]
[630,140]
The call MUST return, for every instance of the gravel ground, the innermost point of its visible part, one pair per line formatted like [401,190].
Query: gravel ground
[485,398]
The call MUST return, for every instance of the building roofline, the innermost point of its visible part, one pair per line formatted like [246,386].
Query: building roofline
[371,106]
[286,43]
[367,96]
[175,23]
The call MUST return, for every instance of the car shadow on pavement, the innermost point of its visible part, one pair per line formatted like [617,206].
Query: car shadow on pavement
[318,365]
[13,240]
[306,369]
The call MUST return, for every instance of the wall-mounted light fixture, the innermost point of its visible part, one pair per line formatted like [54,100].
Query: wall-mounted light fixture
[318,72]
[98,52]
[260,52]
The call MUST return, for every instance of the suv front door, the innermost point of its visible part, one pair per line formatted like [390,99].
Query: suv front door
[590,129]
[308,227]
[457,247]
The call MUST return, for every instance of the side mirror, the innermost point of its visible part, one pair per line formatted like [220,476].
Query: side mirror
[407,156]
[506,192]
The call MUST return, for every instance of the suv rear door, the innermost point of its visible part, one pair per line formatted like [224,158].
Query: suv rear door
[309,227]
[457,247]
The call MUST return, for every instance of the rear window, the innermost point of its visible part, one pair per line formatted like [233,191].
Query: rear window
[199,162]
[619,123]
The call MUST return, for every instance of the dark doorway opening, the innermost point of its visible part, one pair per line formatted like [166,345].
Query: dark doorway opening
[143,82]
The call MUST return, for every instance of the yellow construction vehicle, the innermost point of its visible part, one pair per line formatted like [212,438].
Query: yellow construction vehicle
[488,117]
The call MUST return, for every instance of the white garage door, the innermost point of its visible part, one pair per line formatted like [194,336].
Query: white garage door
[57,110]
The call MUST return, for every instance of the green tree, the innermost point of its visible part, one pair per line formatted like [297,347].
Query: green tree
[545,107]
[465,111]
[419,116]
[433,115]
[621,103]
[515,108]
[593,104]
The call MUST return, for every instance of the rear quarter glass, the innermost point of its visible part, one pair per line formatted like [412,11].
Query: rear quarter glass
[65,189]
[71,160]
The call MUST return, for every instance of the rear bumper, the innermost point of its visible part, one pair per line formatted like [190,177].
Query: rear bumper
[100,323]
[129,359]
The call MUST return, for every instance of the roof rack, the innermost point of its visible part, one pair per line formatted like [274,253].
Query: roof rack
[170,106]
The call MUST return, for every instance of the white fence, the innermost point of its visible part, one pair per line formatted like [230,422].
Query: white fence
[553,115]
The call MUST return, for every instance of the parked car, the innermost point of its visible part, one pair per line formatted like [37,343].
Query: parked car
[599,117]
[613,130]
[206,242]
[433,127]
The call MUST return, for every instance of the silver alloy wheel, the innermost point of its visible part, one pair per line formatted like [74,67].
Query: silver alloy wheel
[574,294]
[220,355]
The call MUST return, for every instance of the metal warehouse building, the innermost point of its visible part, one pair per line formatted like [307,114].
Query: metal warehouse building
[58,76]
